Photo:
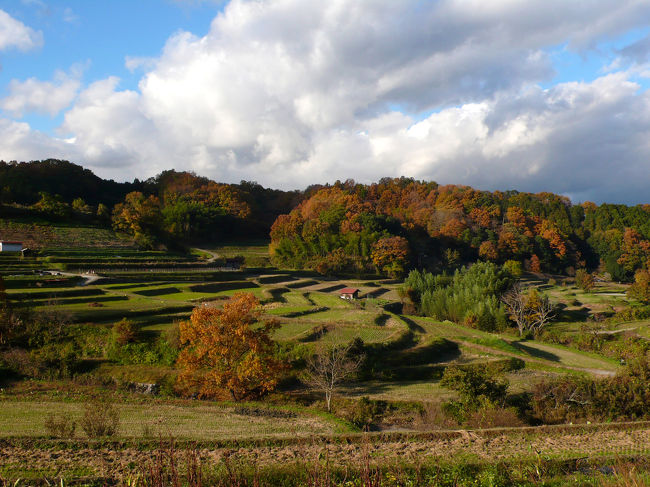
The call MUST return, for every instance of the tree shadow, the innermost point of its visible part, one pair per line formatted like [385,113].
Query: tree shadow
[300,284]
[376,293]
[413,326]
[381,319]
[534,352]
[317,333]
[330,289]
[277,294]
[574,314]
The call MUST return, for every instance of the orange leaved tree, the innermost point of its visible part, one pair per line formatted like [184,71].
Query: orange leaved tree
[229,349]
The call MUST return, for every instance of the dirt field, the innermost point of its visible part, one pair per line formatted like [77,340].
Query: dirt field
[57,458]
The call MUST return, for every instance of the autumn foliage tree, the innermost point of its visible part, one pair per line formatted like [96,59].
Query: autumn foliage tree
[640,289]
[138,215]
[585,280]
[229,350]
[390,255]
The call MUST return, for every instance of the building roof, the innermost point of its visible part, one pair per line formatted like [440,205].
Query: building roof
[348,290]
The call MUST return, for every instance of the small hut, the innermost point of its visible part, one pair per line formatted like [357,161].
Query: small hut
[7,246]
[349,293]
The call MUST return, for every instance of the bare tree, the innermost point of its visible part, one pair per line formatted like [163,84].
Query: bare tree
[515,301]
[329,367]
[530,310]
[543,312]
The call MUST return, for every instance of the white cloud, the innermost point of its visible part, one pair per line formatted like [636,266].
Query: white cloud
[292,92]
[15,34]
[69,16]
[43,97]
[132,63]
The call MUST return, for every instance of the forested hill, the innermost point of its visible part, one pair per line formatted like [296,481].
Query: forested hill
[388,227]
[23,182]
[398,224]
[171,206]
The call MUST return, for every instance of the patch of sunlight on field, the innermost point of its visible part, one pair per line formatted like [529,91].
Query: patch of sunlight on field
[567,357]
[293,330]
[345,334]
[349,315]
[400,391]
[329,300]
[200,422]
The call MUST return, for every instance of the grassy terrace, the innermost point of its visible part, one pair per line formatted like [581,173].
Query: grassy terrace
[180,419]
[307,306]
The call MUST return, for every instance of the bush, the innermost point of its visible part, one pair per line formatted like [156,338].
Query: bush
[623,397]
[160,352]
[494,417]
[58,360]
[124,332]
[60,426]
[475,385]
[367,412]
[584,280]
[100,419]
[478,388]
[513,267]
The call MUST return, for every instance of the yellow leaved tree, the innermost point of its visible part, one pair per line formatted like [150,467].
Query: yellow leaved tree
[229,350]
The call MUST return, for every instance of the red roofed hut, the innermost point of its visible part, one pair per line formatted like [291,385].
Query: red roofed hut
[349,293]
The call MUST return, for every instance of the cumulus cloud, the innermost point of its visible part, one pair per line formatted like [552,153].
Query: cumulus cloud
[15,34]
[43,97]
[291,92]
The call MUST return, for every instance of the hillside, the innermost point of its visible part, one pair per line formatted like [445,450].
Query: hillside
[398,224]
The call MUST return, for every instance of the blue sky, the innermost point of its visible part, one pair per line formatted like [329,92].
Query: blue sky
[536,95]
[97,36]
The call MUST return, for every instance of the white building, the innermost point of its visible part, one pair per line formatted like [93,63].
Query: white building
[6,246]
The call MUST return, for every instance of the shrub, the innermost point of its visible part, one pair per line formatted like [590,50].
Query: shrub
[367,412]
[584,280]
[100,418]
[60,360]
[124,332]
[551,282]
[478,388]
[494,417]
[625,396]
[475,384]
[60,425]
[513,267]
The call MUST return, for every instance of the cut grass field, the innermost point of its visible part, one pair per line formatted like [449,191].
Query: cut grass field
[180,420]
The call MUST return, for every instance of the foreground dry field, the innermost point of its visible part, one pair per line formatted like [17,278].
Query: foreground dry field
[117,459]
